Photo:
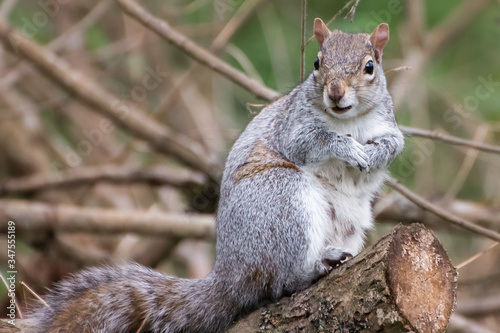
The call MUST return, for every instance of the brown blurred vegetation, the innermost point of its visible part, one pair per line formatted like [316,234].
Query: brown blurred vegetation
[122,162]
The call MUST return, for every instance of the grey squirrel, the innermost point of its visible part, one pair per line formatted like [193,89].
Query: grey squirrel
[294,203]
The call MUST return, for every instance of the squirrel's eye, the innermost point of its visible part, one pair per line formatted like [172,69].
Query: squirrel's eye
[369,67]
[316,64]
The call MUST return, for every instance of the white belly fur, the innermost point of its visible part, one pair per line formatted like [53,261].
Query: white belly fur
[349,192]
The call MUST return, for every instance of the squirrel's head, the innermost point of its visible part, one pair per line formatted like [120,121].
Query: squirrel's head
[349,69]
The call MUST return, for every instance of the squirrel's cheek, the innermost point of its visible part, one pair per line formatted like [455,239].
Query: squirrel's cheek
[317,75]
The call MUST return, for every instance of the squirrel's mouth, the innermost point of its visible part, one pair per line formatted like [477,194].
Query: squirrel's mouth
[338,109]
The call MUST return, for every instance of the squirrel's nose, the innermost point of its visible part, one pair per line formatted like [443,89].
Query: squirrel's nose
[336,92]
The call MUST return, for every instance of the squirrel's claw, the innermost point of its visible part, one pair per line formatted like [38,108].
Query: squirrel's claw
[333,256]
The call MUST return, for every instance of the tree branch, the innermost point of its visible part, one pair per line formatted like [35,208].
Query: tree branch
[353,9]
[303,40]
[126,115]
[105,173]
[438,136]
[33,217]
[164,30]
[398,208]
[447,216]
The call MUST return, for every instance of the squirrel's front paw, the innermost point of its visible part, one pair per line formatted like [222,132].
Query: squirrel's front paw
[376,155]
[352,152]
[331,257]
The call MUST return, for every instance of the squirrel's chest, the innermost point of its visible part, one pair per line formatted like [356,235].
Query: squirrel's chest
[335,176]
[336,217]
[339,200]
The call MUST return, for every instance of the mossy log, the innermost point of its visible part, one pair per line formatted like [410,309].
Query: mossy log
[403,283]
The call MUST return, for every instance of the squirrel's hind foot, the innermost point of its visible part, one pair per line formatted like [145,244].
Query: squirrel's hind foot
[331,258]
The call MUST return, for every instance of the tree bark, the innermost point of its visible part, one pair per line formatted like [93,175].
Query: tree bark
[403,283]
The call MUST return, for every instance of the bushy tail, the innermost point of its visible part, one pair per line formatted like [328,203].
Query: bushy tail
[134,298]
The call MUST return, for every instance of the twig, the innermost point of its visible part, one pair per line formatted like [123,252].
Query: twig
[197,117]
[91,17]
[164,30]
[334,17]
[303,41]
[477,255]
[397,208]
[126,115]
[142,325]
[32,292]
[352,11]
[35,217]
[447,216]
[16,303]
[105,173]
[435,135]
[241,15]
[397,69]
[58,43]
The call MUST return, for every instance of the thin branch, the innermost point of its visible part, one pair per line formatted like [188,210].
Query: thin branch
[445,215]
[32,292]
[16,302]
[334,17]
[35,217]
[16,73]
[397,69]
[106,173]
[352,11]
[435,135]
[243,13]
[397,208]
[303,41]
[90,18]
[476,256]
[164,30]
[126,115]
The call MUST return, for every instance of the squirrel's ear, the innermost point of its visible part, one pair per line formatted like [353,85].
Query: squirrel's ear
[379,39]
[321,31]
